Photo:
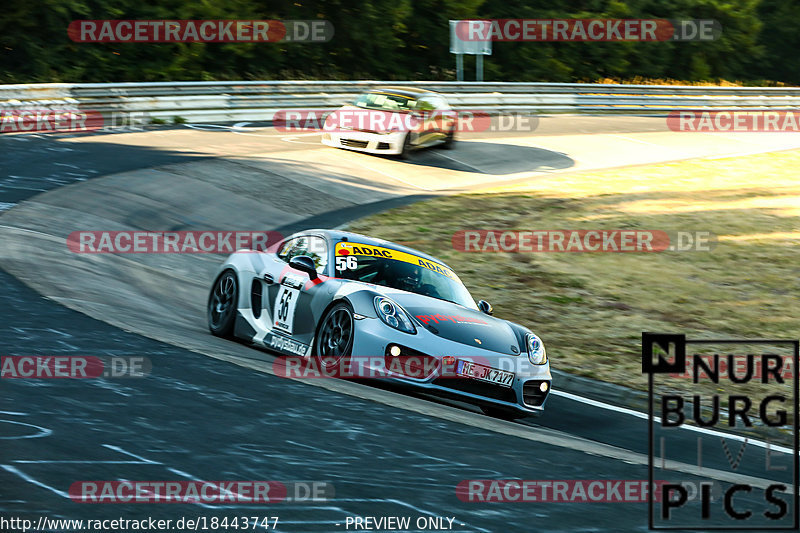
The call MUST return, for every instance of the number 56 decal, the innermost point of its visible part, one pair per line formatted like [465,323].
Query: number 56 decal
[346,263]
[285,303]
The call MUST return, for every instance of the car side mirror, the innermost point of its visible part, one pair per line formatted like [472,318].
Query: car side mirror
[485,307]
[303,263]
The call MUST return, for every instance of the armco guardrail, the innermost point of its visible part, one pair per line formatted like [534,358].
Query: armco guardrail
[259,100]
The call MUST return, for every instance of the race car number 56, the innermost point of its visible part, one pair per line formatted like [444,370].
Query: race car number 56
[346,263]
[285,303]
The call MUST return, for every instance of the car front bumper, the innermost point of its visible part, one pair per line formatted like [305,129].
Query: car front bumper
[361,141]
[373,337]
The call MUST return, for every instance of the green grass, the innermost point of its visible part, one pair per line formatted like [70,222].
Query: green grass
[591,308]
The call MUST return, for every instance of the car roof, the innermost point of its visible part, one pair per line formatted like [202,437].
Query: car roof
[338,235]
[411,92]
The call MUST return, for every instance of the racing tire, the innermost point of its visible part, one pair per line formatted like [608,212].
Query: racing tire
[450,140]
[333,343]
[503,414]
[406,150]
[222,304]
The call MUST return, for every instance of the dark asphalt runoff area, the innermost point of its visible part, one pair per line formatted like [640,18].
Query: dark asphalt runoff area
[198,418]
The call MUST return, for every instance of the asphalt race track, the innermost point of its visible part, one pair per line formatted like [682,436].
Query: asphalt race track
[214,410]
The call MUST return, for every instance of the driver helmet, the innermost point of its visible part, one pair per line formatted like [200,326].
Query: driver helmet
[407,277]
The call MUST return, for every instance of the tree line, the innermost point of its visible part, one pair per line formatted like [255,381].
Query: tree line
[400,40]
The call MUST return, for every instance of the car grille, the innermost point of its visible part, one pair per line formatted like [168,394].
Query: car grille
[531,395]
[481,388]
[354,143]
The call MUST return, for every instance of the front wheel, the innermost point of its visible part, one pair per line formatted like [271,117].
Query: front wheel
[222,304]
[405,151]
[334,341]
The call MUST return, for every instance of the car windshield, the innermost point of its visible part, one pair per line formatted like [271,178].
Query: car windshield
[400,270]
[385,101]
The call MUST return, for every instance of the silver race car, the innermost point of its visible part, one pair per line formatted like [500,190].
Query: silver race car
[332,299]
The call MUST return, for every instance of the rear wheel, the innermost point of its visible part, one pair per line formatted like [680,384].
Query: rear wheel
[221,309]
[334,341]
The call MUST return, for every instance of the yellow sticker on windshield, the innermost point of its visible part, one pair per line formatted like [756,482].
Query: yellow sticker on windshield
[357,249]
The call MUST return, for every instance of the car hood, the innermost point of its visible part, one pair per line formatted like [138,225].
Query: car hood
[456,323]
[370,120]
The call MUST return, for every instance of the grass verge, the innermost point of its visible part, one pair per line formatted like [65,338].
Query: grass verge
[590,308]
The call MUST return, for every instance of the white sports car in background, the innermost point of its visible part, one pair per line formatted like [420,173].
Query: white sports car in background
[392,120]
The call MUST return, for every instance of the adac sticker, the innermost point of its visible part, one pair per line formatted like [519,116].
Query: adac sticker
[368,250]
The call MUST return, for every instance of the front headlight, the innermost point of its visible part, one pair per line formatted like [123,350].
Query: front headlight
[536,352]
[393,315]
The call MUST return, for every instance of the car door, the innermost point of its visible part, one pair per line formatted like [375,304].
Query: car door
[293,293]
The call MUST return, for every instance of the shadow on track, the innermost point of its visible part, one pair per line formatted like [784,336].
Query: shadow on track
[491,158]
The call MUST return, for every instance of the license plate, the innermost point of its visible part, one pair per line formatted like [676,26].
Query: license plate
[484,373]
